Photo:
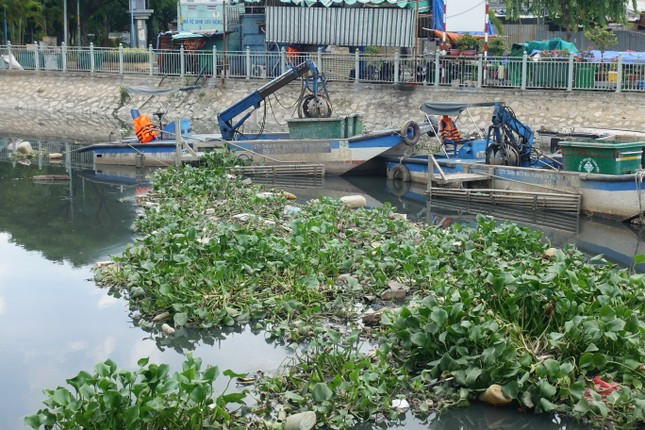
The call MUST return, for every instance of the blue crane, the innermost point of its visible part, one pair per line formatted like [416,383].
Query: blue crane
[313,105]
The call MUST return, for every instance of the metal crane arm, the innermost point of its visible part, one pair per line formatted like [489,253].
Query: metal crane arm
[225,118]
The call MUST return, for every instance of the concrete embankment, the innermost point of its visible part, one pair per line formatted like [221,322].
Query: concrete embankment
[89,108]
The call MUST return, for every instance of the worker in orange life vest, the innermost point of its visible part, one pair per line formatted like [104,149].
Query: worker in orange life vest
[449,132]
[144,129]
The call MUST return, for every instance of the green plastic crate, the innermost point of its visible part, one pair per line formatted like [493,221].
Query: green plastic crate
[612,158]
[317,128]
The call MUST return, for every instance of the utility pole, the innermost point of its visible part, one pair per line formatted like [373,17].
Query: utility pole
[78,23]
[132,36]
[65,22]
[6,36]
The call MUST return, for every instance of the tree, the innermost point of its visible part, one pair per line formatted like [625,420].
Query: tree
[602,39]
[572,13]
[22,16]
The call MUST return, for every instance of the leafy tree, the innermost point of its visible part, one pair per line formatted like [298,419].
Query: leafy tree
[602,39]
[572,13]
[22,16]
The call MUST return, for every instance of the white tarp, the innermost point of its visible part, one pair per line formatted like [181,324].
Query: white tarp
[10,60]
[465,15]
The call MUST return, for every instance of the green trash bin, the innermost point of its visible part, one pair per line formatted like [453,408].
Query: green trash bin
[316,128]
[584,76]
[349,125]
[608,157]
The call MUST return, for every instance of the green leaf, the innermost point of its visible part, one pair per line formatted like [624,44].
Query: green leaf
[180,319]
[156,404]
[472,375]
[511,390]
[321,392]
[62,397]
[229,373]
[439,316]
[290,395]
[234,397]
[547,390]
[198,394]
[33,421]
[131,416]
[165,289]
[211,373]
[546,405]
[552,367]
[639,259]
[143,362]
[419,338]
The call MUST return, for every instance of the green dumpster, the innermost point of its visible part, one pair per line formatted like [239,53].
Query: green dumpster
[316,128]
[584,76]
[349,125]
[608,157]
[358,124]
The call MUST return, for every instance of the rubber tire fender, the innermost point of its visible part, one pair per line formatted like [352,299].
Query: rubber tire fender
[399,188]
[410,133]
[399,172]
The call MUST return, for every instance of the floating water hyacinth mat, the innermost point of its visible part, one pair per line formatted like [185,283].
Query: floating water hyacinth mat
[460,310]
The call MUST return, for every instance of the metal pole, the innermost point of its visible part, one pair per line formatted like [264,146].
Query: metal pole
[6,36]
[248,62]
[78,23]
[150,58]
[396,66]
[178,143]
[92,64]
[319,58]
[570,74]
[120,58]
[132,39]
[36,58]
[524,69]
[480,70]
[437,71]
[65,22]
[10,55]
[182,60]
[619,74]
[357,65]
[214,61]
[64,57]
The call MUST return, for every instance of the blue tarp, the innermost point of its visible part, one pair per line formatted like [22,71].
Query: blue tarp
[437,20]
[628,57]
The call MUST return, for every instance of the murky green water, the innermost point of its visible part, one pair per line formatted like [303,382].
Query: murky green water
[54,321]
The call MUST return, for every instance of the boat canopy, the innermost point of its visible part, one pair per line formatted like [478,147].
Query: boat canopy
[452,108]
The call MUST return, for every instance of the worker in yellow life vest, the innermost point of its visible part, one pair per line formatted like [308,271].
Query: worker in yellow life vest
[144,129]
[449,132]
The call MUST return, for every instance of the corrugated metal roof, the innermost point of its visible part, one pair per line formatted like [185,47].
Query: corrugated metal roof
[340,26]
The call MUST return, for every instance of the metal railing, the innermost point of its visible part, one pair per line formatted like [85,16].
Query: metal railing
[564,73]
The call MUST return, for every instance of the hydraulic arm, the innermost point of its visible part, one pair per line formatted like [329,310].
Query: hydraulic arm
[226,119]
[509,141]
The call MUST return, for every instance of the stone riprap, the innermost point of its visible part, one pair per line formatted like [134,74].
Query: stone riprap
[89,108]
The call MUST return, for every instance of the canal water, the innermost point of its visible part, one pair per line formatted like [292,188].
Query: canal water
[55,322]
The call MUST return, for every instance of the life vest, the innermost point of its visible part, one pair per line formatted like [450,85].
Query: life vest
[449,130]
[144,129]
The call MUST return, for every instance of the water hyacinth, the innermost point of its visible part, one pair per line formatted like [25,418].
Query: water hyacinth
[476,306]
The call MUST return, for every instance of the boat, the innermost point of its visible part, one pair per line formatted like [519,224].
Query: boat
[504,167]
[337,143]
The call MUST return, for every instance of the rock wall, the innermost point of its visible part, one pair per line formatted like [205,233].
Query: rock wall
[89,108]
